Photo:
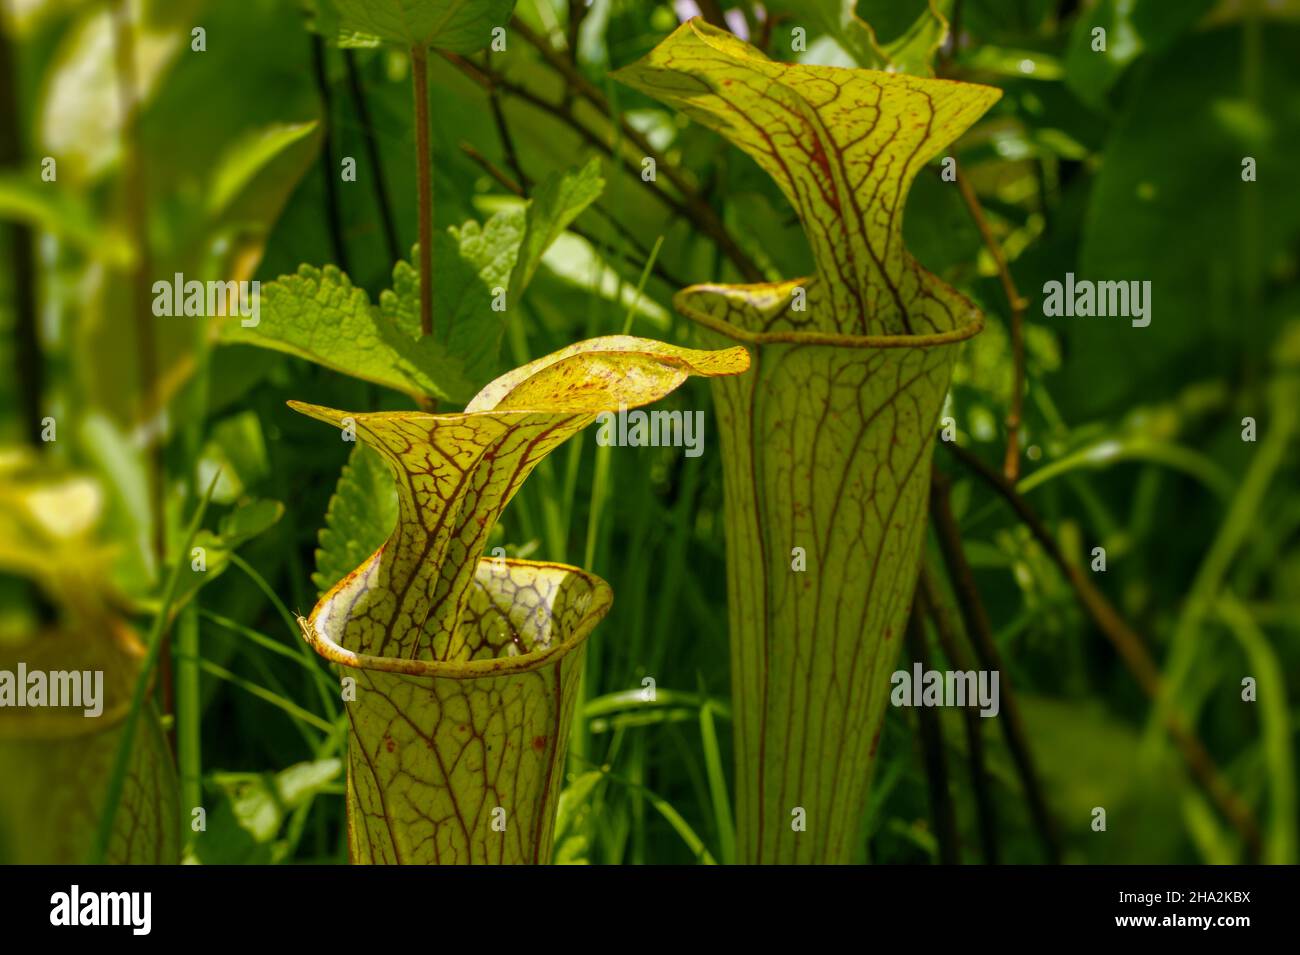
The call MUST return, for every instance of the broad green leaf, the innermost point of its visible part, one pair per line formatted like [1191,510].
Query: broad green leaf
[827,442]
[1179,119]
[250,809]
[465,668]
[462,26]
[319,315]
[64,214]
[361,515]
[1131,28]
[851,25]
[248,156]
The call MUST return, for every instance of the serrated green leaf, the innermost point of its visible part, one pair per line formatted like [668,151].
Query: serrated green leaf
[361,515]
[462,26]
[319,315]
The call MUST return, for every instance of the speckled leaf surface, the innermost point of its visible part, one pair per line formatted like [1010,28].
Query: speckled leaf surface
[827,442]
[465,667]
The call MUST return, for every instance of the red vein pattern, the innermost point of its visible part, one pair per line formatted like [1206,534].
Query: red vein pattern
[466,667]
[827,442]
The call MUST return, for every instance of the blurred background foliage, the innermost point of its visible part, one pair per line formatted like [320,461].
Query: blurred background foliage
[1120,164]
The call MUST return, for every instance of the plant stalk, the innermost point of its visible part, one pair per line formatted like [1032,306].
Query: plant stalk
[424,179]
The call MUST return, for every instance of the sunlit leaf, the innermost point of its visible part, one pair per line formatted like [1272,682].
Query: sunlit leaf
[827,443]
[844,146]
[465,667]
[463,26]
[321,316]
[852,25]
[249,811]
[555,204]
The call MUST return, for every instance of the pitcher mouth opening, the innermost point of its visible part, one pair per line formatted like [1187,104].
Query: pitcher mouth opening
[595,591]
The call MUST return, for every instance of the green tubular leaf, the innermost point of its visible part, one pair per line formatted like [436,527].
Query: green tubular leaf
[912,52]
[844,146]
[462,26]
[465,668]
[361,515]
[55,762]
[827,442]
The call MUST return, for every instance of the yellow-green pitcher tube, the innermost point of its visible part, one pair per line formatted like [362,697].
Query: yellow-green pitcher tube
[55,765]
[827,441]
[461,762]
[459,672]
[827,451]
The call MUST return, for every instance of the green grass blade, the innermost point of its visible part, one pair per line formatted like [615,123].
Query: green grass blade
[153,646]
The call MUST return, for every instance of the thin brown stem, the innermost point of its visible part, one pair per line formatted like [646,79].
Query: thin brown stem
[695,206]
[931,738]
[1017,304]
[711,11]
[980,632]
[333,210]
[503,130]
[490,80]
[1132,650]
[934,606]
[424,179]
[361,105]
